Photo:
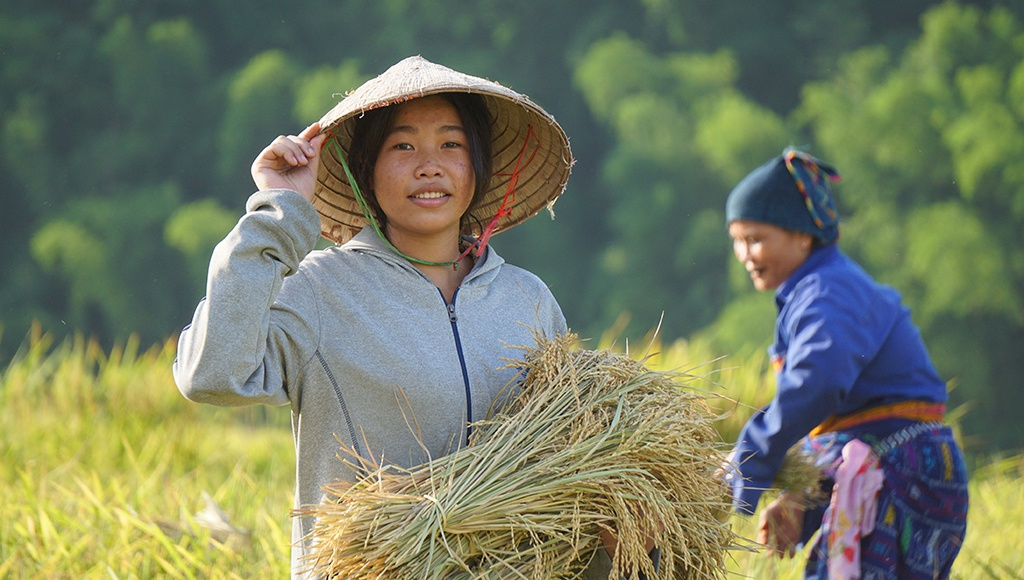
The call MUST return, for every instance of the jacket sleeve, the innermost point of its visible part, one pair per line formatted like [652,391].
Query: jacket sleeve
[556,323]
[828,345]
[247,339]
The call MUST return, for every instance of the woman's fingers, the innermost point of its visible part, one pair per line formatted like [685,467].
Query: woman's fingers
[290,162]
[310,132]
[290,149]
[294,150]
[307,143]
[317,142]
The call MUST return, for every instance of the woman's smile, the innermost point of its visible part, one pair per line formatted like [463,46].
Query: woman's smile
[424,178]
[769,253]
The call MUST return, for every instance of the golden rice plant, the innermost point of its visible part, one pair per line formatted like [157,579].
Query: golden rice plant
[800,476]
[104,467]
[590,441]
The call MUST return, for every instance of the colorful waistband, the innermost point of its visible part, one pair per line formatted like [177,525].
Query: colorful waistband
[922,411]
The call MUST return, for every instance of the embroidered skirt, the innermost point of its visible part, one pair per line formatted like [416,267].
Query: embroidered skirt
[922,505]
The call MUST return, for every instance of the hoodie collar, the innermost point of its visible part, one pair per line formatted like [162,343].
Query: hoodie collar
[369,242]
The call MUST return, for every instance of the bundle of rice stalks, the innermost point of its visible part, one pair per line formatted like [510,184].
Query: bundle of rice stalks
[800,477]
[590,441]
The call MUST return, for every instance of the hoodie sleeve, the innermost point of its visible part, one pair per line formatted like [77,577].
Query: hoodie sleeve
[552,312]
[245,342]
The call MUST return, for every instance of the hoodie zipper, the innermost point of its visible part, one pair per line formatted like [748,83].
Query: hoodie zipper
[453,319]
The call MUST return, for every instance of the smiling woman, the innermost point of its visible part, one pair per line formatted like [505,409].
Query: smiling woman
[423,178]
[855,387]
[769,253]
[393,342]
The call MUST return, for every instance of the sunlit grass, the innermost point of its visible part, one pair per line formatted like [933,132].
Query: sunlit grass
[104,466]
[994,547]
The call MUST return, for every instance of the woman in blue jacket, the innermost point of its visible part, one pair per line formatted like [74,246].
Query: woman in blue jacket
[855,386]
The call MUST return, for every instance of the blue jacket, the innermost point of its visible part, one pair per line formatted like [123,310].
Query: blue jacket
[843,343]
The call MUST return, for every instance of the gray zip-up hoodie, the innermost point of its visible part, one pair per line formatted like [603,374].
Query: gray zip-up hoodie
[338,333]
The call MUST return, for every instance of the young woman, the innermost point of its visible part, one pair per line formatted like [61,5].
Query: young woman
[854,382]
[393,341]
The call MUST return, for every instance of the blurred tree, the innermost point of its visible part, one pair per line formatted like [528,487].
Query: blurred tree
[99,247]
[193,230]
[782,45]
[47,81]
[260,106]
[127,116]
[673,117]
[321,89]
[160,111]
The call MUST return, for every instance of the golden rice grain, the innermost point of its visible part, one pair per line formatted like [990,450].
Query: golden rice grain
[589,440]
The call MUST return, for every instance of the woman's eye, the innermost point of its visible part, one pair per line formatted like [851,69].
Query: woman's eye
[452,145]
[404,146]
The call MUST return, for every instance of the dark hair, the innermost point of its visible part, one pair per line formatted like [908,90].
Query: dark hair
[373,127]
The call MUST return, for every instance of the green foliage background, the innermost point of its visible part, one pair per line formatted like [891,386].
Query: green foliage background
[127,129]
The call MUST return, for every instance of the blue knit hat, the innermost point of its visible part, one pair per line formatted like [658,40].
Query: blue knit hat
[791,191]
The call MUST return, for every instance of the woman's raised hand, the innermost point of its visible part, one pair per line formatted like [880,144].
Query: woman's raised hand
[290,162]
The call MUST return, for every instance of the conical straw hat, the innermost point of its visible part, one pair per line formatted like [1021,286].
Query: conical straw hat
[540,163]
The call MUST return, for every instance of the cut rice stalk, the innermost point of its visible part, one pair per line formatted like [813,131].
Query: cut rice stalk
[589,440]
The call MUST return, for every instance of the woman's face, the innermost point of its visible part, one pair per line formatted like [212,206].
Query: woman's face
[424,178]
[769,253]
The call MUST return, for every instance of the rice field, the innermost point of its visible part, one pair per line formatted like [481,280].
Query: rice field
[107,472]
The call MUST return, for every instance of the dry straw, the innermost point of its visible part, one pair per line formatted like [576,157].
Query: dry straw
[591,440]
[800,477]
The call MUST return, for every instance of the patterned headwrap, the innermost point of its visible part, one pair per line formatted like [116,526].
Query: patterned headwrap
[791,191]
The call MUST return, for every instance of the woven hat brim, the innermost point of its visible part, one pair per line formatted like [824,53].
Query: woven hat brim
[541,164]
